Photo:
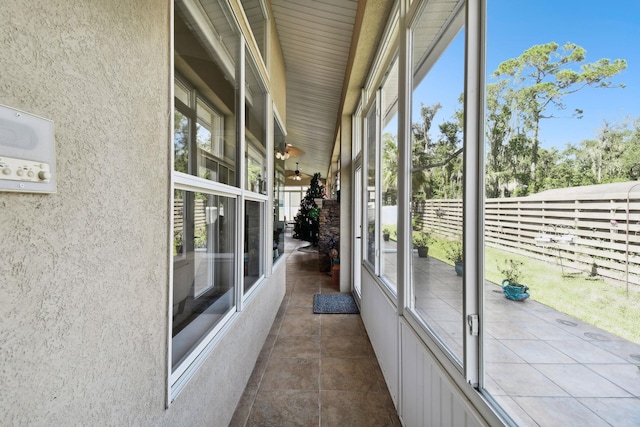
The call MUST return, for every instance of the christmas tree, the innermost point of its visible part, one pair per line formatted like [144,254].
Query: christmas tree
[307,225]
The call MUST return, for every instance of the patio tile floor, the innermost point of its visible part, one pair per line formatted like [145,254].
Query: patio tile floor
[544,367]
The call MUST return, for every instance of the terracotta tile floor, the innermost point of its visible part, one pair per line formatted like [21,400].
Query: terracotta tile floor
[314,369]
[320,370]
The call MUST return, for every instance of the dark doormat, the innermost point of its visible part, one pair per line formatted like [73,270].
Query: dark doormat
[334,304]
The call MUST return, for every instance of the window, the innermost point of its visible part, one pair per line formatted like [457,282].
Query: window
[279,212]
[255,130]
[505,189]
[256,13]
[253,246]
[210,131]
[293,198]
[437,66]
[205,199]
[182,129]
[256,174]
[389,180]
[559,210]
[371,136]
[380,158]
[203,267]
[381,136]
[204,121]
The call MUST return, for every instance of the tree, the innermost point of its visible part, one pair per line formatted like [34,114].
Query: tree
[631,156]
[549,160]
[448,150]
[564,173]
[181,142]
[608,157]
[307,224]
[436,165]
[517,163]
[390,168]
[422,151]
[540,78]
[497,133]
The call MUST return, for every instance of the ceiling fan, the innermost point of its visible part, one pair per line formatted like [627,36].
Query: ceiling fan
[296,175]
[286,151]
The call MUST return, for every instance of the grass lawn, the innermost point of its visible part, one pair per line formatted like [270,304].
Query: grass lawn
[601,302]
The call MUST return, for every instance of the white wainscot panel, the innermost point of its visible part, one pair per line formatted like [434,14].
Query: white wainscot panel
[381,321]
[429,398]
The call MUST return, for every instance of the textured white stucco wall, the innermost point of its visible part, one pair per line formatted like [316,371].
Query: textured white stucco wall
[84,272]
[210,399]
[84,275]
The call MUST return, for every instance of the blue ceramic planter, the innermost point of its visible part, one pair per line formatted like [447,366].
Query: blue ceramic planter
[458,268]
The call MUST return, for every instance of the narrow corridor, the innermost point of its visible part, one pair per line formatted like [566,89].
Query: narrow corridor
[314,369]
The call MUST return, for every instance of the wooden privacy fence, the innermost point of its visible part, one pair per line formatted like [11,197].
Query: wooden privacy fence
[200,215]
[576,232]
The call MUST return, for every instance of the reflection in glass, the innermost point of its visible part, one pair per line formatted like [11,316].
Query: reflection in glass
[181,92]
[389,170]
[295,198]
[180,142]
[203,267]
[436,182]
[255,13]
[255,131]
[210,143]
[371,139]
[205,142]
[279,213]
[253,232]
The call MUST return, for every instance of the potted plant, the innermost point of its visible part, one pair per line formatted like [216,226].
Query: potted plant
[511,285]
[177,242]
[453,251]
[386,233]
[421,242]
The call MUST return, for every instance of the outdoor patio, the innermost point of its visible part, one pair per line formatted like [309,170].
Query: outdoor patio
[542,366]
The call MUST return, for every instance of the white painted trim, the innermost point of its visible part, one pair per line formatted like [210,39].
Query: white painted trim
[241,170]
[473,197]
[356,207]
[169,284]
[267,246]
[405,291]
[377,180]
[187,369]
[189,182]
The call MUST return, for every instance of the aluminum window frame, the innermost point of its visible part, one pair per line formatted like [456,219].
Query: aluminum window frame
[234,70]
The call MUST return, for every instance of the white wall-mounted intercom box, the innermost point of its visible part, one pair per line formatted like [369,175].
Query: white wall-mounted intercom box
[27,152]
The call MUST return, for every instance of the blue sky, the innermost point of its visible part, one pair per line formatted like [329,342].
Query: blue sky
[605,29]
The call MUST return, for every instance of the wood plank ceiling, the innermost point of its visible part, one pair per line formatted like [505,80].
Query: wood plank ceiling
[316,39]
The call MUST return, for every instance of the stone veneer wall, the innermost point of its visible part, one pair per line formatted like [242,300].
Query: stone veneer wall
[329,235]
